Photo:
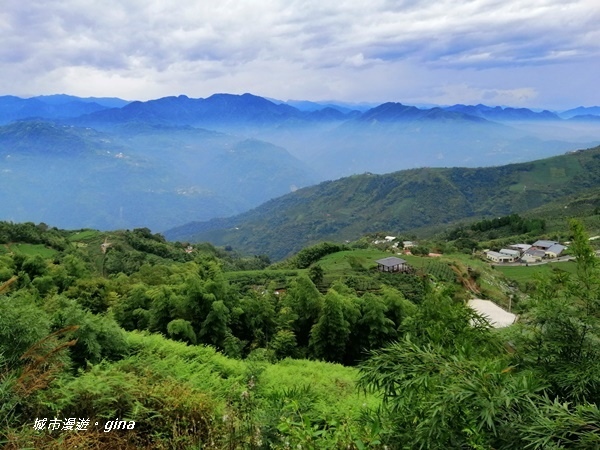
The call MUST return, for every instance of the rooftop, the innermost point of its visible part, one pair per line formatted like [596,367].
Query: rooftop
[391,261]
[556,248]
[507,251]
[544,244]
[535,252]
[521,246]
[497,254]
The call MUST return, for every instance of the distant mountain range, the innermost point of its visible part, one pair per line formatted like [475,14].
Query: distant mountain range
[392,136]
[52,107]
[397,202]
[498,113]
[581,111]
[145,176]
[110,163]
[220,108]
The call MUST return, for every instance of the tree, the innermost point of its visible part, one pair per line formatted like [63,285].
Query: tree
[259,318]
[560,329]
[315,273]
[91,293]
[132,312]
[398,307]
[162,307]
[438,397]
[420,250]
[21,324]
[98,336]
[284,344]
[182,330]
[375,328]
[75,266]
[34,266]
[329,336]
[304,302]
[215,328]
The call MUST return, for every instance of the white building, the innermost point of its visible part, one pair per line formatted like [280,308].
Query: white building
[521,247]
[533,255]
[555,251]
[506,251]
[499,257]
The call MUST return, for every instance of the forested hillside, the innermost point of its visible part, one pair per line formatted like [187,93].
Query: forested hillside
[350,207]
[106,163]
[138,175]
[124,340]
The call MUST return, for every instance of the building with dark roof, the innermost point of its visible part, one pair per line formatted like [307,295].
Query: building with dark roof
[533,255]
[543,244]
[555,251]
[392,264]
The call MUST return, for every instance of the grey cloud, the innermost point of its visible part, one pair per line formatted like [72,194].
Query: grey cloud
[331,45]
[309,31]
[521,36]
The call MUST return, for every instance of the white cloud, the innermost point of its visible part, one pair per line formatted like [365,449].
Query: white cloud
[463,93]
[302,48]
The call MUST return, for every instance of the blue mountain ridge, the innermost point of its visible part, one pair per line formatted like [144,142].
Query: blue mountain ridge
[251,109]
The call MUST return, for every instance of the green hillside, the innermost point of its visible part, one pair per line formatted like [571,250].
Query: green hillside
[411,199]
[124,340]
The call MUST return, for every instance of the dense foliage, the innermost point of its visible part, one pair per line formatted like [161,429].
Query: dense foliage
[399,202]
[455,384]
[201,355]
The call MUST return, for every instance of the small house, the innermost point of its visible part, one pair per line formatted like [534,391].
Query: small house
[555,251]
[499,257]
[543,244]
[392,264]
[533,255]
[522,248]
[514,253]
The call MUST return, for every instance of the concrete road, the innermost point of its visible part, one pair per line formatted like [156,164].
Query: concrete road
[497,316]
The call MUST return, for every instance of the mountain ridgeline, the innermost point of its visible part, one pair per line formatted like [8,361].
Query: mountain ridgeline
[346,209]
[108,163]
[189,345]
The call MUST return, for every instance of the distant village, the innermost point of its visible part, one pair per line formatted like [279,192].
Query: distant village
[540,251]
[527,253]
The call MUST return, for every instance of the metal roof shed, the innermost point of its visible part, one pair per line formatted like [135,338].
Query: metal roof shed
[391,264]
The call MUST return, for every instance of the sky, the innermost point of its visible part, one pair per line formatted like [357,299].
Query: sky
[535,53]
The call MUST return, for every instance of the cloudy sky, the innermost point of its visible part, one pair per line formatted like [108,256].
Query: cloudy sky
[536,53]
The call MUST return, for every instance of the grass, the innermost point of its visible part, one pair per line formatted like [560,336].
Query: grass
[492,285]
[270,273]
[84,235]
[34,249]
[552,171]
[341,264]
[338,265]
[331,387]
[524,274]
